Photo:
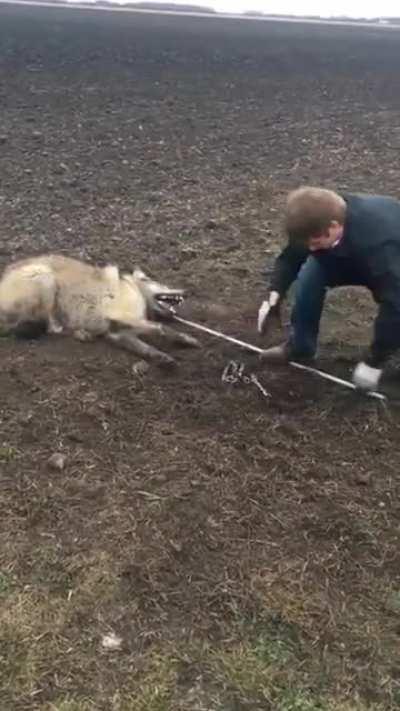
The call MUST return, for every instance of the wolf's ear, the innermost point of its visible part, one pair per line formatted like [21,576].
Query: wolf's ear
[138,273]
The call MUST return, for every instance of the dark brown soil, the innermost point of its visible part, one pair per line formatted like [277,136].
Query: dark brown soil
[192,512]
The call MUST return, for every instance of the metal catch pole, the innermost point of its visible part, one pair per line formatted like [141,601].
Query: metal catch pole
[294,364]
[218,334]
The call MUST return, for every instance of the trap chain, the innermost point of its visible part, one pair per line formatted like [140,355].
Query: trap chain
[234,373]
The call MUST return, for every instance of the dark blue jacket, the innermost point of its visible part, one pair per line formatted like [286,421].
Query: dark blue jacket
[368,255]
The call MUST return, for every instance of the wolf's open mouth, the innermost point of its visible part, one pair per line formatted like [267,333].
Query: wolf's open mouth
[170,299]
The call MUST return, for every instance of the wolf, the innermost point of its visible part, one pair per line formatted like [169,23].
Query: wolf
[56,294]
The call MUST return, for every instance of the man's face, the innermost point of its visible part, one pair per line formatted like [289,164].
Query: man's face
[328,239]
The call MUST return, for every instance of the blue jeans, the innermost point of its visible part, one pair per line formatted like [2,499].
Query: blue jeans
[310,290]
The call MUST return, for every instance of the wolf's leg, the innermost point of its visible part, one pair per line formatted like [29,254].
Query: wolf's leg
[46,287]
[54,326]
[181,339]
[127,340]
[84,336]
[149,328]
[27,304]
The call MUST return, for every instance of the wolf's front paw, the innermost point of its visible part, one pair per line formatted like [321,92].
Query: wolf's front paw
[166,361]
[82,335]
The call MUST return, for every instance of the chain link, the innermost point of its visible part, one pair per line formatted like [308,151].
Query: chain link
[234,373]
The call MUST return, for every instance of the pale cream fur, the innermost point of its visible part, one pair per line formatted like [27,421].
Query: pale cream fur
[86,301]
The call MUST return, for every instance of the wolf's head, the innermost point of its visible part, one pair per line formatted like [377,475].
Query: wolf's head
[159,297]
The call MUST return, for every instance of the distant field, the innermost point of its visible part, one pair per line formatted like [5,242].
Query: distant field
[245,551]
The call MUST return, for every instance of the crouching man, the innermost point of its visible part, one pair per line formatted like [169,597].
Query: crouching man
[337,240]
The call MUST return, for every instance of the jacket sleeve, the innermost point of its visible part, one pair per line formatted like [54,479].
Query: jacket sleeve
[386,291]
[286,267]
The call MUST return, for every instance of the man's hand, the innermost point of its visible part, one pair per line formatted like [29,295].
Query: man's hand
[269,310]
[366,378]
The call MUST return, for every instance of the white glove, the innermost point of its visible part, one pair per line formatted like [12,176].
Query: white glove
[365,377]
[267,308]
